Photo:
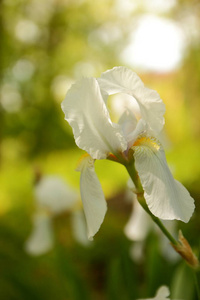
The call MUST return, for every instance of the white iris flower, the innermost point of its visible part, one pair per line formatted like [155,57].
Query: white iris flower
[133,138]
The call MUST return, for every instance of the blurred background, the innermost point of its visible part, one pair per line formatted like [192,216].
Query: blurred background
[44,47]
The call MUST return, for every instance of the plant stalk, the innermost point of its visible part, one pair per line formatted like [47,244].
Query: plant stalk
[140,196]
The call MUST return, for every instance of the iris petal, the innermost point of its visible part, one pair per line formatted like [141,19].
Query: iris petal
[123,80]
[86,112]
[166,198]
[92,196]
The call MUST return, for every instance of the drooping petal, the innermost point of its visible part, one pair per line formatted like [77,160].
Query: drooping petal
[53,194]
[166,198]
[123,80]
[86,112]
[92,196]
[41,239]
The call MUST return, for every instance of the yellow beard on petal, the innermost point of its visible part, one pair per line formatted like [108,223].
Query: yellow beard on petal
[85,158]
[149,142]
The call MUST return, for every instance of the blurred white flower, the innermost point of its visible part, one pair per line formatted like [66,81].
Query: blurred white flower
[162,294]
[41,239]
[79,227]
[139,223]
[53,196]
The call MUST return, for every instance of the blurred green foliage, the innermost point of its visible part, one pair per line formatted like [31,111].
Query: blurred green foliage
[44,47]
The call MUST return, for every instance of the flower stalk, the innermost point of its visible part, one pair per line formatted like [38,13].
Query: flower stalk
[182,246]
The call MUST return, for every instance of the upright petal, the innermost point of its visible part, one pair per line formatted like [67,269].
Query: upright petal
[131,128]
[123,80]
[166,198]
[86,112]
[128,123]
[120,80]
[141,128]
[92,196]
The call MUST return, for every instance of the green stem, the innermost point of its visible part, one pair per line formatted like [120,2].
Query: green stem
[156,220]
[130,167]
